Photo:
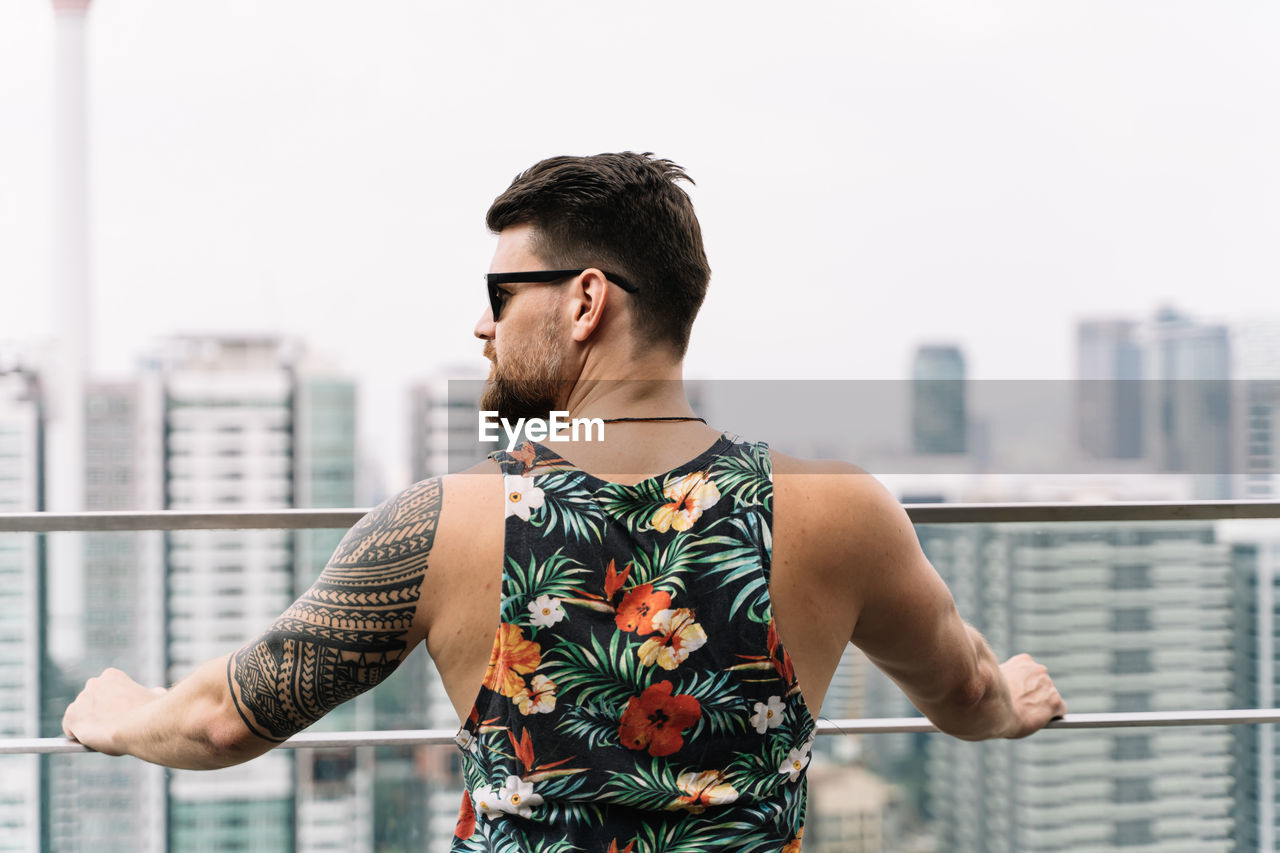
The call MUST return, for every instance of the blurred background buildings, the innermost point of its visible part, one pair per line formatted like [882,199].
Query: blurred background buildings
[1128,617]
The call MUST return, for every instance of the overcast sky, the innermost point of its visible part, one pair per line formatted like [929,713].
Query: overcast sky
[870,175]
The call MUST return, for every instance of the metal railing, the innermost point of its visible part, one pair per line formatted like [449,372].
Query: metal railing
[883,725]
[313,519]
[990,513]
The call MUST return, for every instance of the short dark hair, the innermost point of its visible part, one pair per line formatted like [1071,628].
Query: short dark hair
[623,213]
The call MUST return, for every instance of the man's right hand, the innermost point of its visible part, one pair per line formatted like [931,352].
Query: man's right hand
[1033,695]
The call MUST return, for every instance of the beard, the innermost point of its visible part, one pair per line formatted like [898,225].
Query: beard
[528,383]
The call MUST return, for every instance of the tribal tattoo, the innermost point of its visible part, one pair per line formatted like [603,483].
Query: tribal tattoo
[347,632]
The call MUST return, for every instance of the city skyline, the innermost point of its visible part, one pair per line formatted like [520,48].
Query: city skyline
[895,175]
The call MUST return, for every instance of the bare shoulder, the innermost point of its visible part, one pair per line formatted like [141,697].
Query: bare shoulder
[841,497]
[406,524]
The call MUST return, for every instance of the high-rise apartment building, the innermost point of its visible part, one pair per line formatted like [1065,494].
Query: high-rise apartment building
[245,423]
[1132,617]
[21,619]
[96,802]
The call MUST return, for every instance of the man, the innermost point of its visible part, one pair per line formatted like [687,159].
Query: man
[651,620]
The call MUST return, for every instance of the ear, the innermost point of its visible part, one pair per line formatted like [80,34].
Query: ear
[590,292]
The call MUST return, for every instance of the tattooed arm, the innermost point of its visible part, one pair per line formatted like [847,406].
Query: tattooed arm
[344,635]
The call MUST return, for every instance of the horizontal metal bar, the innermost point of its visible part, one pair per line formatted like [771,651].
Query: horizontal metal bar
[886,725]
[1002,513]
[308,519]
[278,519]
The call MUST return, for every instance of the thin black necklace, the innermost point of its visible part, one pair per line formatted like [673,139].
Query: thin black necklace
[655,420]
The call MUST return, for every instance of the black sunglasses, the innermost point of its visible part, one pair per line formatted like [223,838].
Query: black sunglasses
[498,298]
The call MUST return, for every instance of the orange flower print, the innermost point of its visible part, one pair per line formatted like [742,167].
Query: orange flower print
[613,580]
[689,496]
[793,846]
[781,660]
[655,720]
[707,788]
[537,698]
[638,607]
[677,635]
[613,847]
[513,658]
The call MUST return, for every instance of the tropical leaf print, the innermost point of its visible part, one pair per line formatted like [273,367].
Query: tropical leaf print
[596,674]
[556,576]
[568,507]
[621,707]
[651,786]
[633,506]
[722,707]
[746,477]
[665,565]
[697,836]
[737,561]
[560,845]
[597,725]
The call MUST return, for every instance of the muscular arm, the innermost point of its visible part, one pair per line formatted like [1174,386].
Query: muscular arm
[906,622]
[344,635]
[350,630]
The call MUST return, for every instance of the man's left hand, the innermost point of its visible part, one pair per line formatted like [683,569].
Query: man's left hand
[103,705]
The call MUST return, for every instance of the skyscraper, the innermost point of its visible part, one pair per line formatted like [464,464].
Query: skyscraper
[246,423]
[1109,390]
[1132,617]
[21,630]
[1191,428]
[96,802]
[939,416]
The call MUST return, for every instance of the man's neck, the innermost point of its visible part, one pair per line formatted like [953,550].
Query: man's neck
[647,387]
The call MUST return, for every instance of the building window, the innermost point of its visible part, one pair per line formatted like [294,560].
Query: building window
[1131,576]
[1132,833]
[1132,701]
[1131,619]
[1130,747]
[1132,790]
[1131,662]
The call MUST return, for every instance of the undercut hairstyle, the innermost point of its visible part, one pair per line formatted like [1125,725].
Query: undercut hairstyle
[623,213]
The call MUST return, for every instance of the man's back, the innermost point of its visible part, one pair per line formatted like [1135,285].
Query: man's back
[636,688]
[813,606]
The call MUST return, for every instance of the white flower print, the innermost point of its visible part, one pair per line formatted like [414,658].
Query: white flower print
[677,635]
[545,611]
[796,761]
[522,496]
[517,797]
[768,715]
[488,801]
[466,740]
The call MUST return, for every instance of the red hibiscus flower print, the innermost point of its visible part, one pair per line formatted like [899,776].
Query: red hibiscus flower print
[638,607]
[655,720]
[466,818]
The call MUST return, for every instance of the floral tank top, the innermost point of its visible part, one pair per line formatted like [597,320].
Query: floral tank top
[637,699]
